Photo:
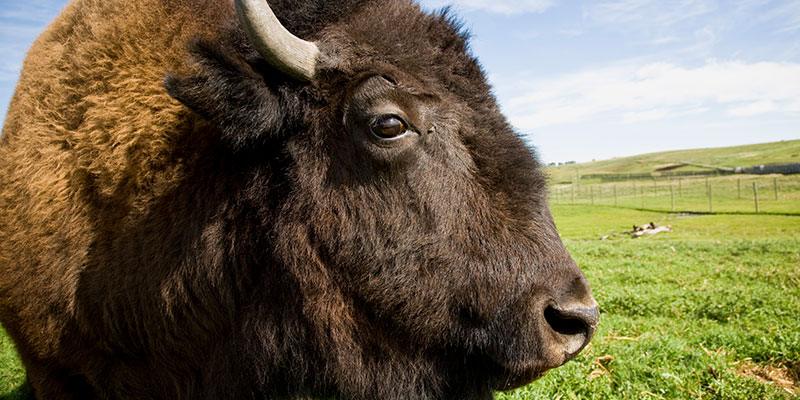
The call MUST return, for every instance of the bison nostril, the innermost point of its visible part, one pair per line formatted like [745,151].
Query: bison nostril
[563,323]
[576,324]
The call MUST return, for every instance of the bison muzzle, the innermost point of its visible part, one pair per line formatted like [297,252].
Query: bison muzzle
[196,203]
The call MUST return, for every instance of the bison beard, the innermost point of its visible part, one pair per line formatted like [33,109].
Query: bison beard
[181,219]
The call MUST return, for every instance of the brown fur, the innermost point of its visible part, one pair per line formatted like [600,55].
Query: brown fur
[226,235]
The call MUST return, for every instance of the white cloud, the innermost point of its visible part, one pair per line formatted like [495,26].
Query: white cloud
[784,17]
[655,91]
[507,7]
[753,108]
[646,115]
[651,13]
[653,21]
[664,40]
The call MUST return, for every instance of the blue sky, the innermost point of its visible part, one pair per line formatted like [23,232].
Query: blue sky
[597,79]
[21,21]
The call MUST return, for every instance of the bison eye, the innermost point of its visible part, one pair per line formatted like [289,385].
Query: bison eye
[388,127]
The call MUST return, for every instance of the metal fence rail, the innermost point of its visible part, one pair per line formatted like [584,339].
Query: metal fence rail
[738,194]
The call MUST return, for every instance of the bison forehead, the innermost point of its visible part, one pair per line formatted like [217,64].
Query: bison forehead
[432,47]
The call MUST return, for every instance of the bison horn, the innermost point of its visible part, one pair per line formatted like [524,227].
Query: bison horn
[277,45]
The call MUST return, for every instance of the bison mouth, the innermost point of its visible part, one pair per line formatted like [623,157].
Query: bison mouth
[519,359]
[501,376]
[508,379]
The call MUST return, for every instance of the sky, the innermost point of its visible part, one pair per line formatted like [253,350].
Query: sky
[584,80]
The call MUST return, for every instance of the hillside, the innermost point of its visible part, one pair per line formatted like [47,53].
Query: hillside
[737,156]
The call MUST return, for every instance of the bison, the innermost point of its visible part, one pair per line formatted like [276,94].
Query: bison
[195,203]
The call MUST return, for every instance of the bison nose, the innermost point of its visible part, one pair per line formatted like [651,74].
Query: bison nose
[572,325]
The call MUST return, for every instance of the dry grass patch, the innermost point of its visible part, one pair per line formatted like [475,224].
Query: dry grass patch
[784,376]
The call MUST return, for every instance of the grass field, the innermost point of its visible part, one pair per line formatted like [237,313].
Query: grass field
[738,156]
[11,372]
[709,311]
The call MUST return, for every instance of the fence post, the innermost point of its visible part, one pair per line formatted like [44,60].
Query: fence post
[573,194]
[672,196]
[641,195]
[710,199]
[775,186]
[615,195]
[739,188]
[655,188]
[755,195]
[680,187]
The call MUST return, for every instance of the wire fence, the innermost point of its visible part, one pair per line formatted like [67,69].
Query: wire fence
[777,194]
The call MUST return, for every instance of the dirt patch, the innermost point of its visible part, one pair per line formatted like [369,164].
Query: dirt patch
[783,375]
[794,371]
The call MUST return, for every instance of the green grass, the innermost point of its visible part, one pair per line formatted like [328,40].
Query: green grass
[12,375]
[684,314]
[738,156]
[586,223]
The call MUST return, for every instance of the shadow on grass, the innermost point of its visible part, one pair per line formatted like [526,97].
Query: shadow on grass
[23,392]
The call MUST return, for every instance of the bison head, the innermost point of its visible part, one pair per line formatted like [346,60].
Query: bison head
[406,230]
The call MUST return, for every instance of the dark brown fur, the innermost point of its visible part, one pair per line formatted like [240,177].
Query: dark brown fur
[180,221]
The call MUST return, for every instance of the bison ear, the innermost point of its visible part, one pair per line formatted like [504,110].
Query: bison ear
[231,95]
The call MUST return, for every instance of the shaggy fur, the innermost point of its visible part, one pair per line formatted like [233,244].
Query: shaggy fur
[180,221]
